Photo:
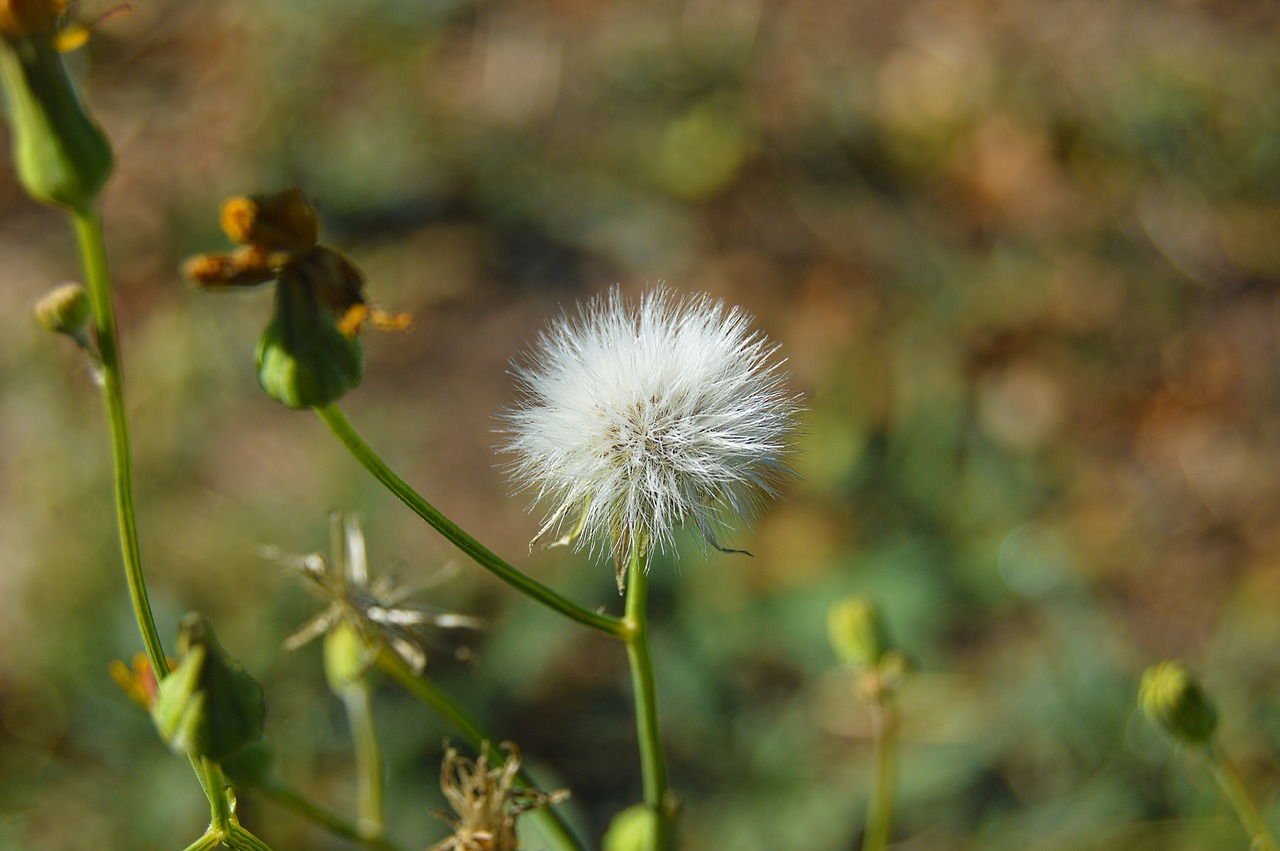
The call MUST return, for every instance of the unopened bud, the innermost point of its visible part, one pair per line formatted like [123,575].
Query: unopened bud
[60,154]
[857,632]
[209,706]
[65,310]
[1174,702]
[304,359]
[633,829]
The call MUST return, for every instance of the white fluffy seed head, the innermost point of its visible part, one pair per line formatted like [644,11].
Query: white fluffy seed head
[636,418]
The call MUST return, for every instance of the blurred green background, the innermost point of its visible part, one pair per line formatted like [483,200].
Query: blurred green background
[1022,260]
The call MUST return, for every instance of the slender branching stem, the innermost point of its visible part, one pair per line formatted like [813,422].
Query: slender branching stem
[554,827]
[517,579]
[214,782]
[653,765]
[884,734]
[210,840]
[1233,787]
[370,815]
[88,227]
[290,799]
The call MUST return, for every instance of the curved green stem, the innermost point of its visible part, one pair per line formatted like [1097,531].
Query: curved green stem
[1233,787]
[426,690]
[290,799]
[240,839]
[884,721]
[653,765]
[371,821]
[88,228]
[523,583]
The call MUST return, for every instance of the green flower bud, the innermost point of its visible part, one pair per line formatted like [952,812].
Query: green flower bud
[65,310]
[633,829]
[209,706]
[304,358]
[346,657]
[856,632]
[60,153]
[1174,702]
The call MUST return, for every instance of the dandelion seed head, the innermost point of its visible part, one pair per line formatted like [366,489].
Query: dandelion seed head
[636,418]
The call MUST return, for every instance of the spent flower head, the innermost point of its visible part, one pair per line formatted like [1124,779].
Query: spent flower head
[375,609]
[309,355]
[486,801]
[636,418]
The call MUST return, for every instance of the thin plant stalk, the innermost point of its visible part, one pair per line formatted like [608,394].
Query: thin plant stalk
[290,799]
[88,227]
[1233,787]
[370,818]
[554,827]
[884,733]
[530,587]
[653,765]
[210,839]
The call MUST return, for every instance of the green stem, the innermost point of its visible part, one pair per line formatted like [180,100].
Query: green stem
[214,782]
[653,764]
[554,827]
[290,799]
[370,819]
[884,723]
[88,228]
[1233,787]
[240,839]
[209,840]
[528,586]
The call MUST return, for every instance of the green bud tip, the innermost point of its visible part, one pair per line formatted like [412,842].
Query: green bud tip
[857,632]
[1175,703]
[633,829]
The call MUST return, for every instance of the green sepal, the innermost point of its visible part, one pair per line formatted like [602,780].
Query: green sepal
[303,359]
[208,706]
[60,154]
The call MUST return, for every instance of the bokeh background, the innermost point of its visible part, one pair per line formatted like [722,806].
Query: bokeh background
[1021,257]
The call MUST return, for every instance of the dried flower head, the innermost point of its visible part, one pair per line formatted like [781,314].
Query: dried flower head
[309,355]
[486,801]
[637,418]
[375,609]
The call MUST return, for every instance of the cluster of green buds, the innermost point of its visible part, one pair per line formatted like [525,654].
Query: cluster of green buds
[61,155]
[309,355]
[861,642]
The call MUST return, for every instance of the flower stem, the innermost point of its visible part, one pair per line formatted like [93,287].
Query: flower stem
[88,227]
[290,799]
[653,765]
[204,843]
[884,724]
[553,826]
[370,820]
[1233,787]
[522,582]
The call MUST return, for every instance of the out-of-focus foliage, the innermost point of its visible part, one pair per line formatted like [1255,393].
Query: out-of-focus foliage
[1022,260]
